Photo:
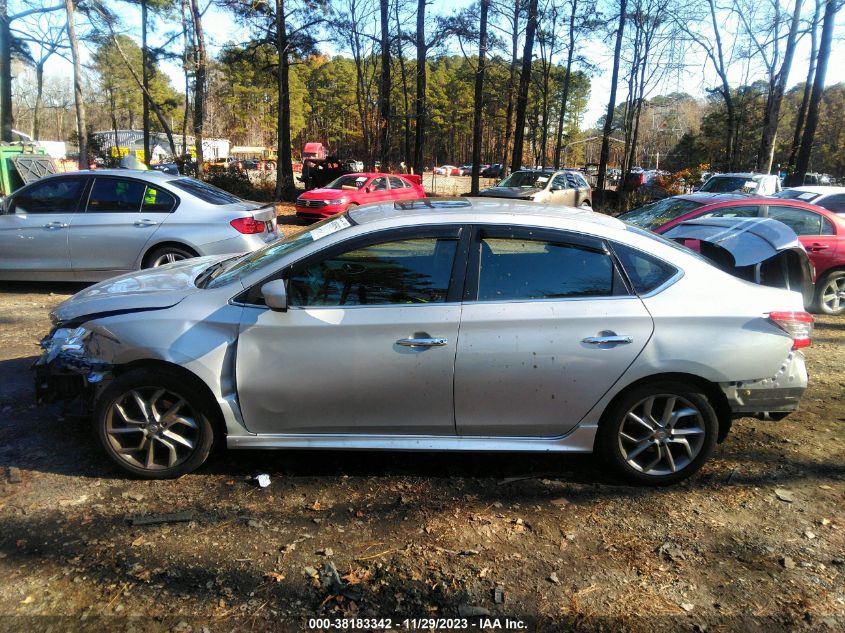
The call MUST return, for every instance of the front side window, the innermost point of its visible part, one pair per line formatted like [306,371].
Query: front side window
[514,269]
[801,221]
[379,184]
[55,195]
[559,182]
[403,272]
[116,195]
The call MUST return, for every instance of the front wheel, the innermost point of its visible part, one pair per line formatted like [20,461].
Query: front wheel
[154,424]
[658,434]
[830,293]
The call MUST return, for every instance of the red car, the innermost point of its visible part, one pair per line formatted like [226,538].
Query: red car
[822,232]
[351,190]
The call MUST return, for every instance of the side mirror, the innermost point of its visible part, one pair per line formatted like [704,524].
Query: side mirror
[368,189]
[275,295]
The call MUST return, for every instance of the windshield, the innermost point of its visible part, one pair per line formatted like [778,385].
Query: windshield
[655,215]
[243,266]
[794,194]
[728,184]
[347,182]
[204,191]
[533,179]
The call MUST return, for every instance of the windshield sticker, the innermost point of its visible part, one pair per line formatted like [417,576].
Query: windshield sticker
[542,180]
[331,227]
[806,196]
[361,178]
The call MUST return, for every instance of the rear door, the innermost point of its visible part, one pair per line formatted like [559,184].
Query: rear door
[120,217]
[548,326]
[34,229]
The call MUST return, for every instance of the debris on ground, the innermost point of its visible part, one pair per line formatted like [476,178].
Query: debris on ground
[154,519]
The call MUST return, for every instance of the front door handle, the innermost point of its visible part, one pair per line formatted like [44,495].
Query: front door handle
[145,222]
[435,341]
[55,225]
[818,247]
[612,339]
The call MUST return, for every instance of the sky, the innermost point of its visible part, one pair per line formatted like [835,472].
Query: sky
[695,79]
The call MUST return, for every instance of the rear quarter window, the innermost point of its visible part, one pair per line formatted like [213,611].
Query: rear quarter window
[204,191]
[645,272]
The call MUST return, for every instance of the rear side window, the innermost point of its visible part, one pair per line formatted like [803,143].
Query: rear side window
[645,272]
[801,221]
[158,201]
[522,269]
[116,195]
[397,183]
[204,191]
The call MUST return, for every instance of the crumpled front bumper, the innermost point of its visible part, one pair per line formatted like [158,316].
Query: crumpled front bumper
[770,397]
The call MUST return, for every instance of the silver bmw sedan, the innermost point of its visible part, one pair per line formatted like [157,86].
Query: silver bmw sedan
[91,225]
[459,325]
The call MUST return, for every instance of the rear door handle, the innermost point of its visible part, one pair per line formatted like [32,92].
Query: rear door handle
[55,225]
[145,222]
[818,247]
[435,341]
[603,340]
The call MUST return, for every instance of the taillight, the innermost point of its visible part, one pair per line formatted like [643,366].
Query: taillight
[248,226]
[799,325]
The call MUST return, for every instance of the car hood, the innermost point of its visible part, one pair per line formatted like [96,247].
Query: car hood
[321,194]
[150,289]
[509,192]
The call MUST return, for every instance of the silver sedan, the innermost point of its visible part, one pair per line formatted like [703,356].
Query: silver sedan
[460,325]
[90,225]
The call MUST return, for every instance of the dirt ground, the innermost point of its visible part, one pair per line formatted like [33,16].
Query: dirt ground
[755,542]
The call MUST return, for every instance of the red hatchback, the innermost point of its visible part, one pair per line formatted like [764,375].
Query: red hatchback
[822,232]
[351,190]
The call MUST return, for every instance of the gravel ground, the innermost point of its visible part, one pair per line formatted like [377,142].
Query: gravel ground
[756,541]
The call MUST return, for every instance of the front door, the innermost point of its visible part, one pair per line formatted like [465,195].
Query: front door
[34,229]
[121,216]
[367,344]
[548,327]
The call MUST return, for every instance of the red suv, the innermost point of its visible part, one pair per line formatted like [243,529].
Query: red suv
[351,190]
[822,232]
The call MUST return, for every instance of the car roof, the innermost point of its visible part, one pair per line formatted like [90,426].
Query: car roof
[495,210]
[820,189]
[145,174]
[740,174]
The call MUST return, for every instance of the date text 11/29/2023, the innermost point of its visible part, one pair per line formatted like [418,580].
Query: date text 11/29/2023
[478,623]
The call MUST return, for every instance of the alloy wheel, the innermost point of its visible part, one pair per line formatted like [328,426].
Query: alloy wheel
[661,434]
[833,293]
[168,258]
[152,428]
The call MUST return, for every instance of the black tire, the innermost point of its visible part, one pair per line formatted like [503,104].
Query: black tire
[166,255]
[617,449]
[829,285]
[197,410]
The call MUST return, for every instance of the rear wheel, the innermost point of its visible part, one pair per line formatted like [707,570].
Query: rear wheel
[155,424]
[658,434]
[167,255]
[830,293]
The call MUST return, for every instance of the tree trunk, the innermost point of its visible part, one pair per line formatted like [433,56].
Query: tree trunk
[775,98]
[81,124]
[145,75]
[611,104]
[406,144]
[6,120]
[285,187]
[479,97]
[187,44]
[805,99]
[39,100]
[806,148]
[566,79]
[511,88]
[420,100]
[524,79]
[384,88]
[200,63]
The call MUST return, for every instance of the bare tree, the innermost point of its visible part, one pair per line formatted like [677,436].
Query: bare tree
[524,79]
[611,104]
[81,122]
[384,85]
[803,161]
[808,84]
[511,14]
[200,63]
[479,89]
[570,52]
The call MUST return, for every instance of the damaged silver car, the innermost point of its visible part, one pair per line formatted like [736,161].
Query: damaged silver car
[457,325]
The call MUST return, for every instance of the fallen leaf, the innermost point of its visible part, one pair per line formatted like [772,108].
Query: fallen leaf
[784,495]
[274,576]
[27,600]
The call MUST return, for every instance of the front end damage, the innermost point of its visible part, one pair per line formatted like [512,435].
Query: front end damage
[73,367]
